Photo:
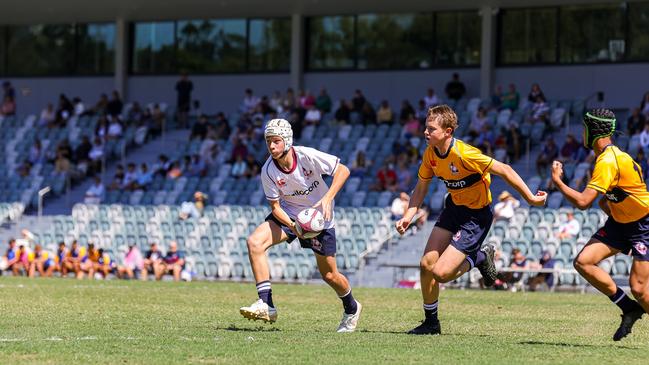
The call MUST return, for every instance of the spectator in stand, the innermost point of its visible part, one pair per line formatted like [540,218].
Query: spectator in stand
[118,179]
[253,168]
[507,204]
[135,113]
[8,106]
[497,98]
[152,258]
[96,154]
[569,149]
[406,111]
[144,178]
[386,178]
[288,102]
[323,102]
[513,279]
[431,98]
[36,154]
[115,129]
[239,167]
[48,116]
[79,108]
[264,107]
[62,165]
[546,262]
[162,166]
[644,105]
[399,206]
[361,165]
[276,101]
[249,102]
[158,121]
[209,147]
[358,101]
[547,155]
[238,149]
[478,121]
[115,106]
[312,116]
[100,106]
[101,130]
[184,88]
[199,130]
[644,137]
[306,99]
[64,111]
[513,141]
[511,98]
[343,112]
[129,182]
[384,114]
[485,140]
[193,209]
[540,111]
[368,115]
[534,94]
[569,228]
[422,111]
[412,127]
[198,167]
[641,159]
[404,177]
[173,263]
[636,122]
[133,263]
[455,89]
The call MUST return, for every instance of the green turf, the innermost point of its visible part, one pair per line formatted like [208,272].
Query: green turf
[59,321]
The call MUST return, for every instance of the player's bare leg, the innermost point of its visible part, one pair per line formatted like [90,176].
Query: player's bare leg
[265,235]
[339,283]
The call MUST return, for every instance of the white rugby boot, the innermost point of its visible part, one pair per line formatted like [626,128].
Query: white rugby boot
[259,311]
[349,321]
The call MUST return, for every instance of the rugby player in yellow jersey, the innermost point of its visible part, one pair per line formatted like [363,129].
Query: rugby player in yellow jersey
[453,247]
[626,202]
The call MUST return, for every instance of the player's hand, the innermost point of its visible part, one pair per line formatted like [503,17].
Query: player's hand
[296,230]
[557,171]
[325,205]
[402,225]
[539,199]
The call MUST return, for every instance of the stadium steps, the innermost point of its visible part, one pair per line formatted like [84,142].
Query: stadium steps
[147,153]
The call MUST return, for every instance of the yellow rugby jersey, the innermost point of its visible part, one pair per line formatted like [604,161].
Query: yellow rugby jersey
[464,171]
[619,178]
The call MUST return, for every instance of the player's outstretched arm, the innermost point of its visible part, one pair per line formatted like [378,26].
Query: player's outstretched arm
[340,176]
[416,199]
[512,178]
[581,200]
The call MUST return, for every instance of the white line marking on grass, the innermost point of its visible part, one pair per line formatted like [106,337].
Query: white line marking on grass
[87,338]
[53,339]
[12,340]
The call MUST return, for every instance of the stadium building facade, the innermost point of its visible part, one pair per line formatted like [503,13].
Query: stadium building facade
[391,50]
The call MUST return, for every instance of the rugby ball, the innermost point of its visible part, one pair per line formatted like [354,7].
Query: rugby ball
[309,222]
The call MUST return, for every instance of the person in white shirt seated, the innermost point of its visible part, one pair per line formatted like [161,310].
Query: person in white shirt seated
[431,98]
[95,193]
[313,116]
[504,209]
[115,129]
[569,229]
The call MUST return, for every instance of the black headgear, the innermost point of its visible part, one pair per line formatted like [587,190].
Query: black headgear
[598,123]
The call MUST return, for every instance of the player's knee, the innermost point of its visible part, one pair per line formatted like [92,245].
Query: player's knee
[441,275]
[580,263]
[255,245]
[639,289]
[427,264]
[329,276]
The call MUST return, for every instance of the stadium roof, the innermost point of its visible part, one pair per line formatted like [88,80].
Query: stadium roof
[65,11]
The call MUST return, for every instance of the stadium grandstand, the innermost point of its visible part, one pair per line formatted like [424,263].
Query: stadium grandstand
[131,123]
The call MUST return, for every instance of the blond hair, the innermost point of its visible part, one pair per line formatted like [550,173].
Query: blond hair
[448,118]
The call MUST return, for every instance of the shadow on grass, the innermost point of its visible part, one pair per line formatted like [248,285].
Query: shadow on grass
[564,344]
[235,328]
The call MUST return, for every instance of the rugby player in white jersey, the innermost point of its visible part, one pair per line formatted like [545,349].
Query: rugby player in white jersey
[292,181]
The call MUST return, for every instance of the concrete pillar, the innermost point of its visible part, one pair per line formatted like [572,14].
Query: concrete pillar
[487,50]
[121,57]
[297,51]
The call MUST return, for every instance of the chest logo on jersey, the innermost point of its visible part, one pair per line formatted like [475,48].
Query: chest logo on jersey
[641,248]
[306,191]
[453,169]
[433,163]
[281,182]
[616,195]
[306,173]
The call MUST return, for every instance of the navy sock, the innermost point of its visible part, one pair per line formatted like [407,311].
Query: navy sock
[430,310]
[480,258]
[623,301]
[349,303]
[265,293]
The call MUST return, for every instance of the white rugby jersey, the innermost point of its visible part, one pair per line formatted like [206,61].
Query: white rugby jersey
[302,186]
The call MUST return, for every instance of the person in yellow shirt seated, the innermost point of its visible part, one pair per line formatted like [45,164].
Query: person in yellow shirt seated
[73,260]
[625,199]
[42,261]
[104,265]
[89,261]
[454,245]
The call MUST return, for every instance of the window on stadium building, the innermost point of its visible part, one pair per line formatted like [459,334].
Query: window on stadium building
[269,44]
[211,45]
[528,36]
[96,49]
[331,42]
[638,31]
[593,33]
[153,48]
[394,41]
[40,50]
[458,38]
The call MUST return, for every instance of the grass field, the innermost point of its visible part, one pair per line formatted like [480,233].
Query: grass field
[60,321]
